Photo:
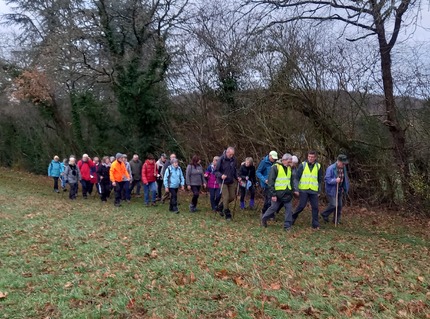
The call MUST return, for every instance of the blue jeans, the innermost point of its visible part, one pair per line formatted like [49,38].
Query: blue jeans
[332,207]
[303,200]
[274,207]
[215,197]
[150,187]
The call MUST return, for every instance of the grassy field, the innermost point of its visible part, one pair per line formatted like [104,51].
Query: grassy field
[82,259]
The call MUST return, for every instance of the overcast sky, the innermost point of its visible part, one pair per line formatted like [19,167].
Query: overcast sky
[420,34]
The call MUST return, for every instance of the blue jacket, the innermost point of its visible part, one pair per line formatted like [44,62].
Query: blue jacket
[263,171]
[173,177]
[330,181]
[54,169]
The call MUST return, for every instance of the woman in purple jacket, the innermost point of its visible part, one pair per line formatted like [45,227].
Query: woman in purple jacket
[213,185]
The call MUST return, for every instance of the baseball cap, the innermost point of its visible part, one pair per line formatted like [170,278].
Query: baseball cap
[343,158]
[274,155]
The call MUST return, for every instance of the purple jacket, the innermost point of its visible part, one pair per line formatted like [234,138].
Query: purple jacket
[212,182]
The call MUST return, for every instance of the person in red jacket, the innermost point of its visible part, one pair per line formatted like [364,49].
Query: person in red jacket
[149,179]
[85,166]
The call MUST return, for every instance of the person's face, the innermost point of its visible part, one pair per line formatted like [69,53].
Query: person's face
[85,158]
[271,159]
[112,159]
[340,164]
[120,159]
[72,162]
[124,159]
[175,165]
[135,158]
[247,163]
[230,153]
[107,161]
[215,162]
[96,160]
[163,159]
[312,158]
[287,162]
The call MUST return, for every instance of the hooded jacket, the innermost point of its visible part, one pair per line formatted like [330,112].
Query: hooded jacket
[54,169]
[263,171]
[212,183]
[118,172]
[85,168]
[173,177]
[149,172]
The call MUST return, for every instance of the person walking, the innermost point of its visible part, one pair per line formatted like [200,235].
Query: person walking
[136,174]
[309,178]
[163,170]
[173,180]
[281,187]
[160,164]
[126,193]
[213,186]
[64,163]
[262,173]
[336,179]
[149,178]
[54,171]
[247,174]
[227,176]
[195,179]
[104,185]
[85,165]
[118,176]
[72,174]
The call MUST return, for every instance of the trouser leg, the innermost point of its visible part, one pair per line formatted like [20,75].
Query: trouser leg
[55,183]
[303,200]
[288,222]
[173,199]
[270,212]
[313,198]
[196,193]
[267,200]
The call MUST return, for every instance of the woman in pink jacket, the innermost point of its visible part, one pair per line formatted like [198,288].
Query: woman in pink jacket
[213,185]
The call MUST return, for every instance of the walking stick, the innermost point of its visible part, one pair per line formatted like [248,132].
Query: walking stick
[337,198]
[235,199]
[219,196]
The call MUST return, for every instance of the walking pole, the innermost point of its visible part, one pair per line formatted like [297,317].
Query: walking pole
[235,199]
[220,195]
[337,198]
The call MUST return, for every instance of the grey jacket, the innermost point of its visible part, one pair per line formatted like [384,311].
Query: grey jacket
[72,175]
[194,176]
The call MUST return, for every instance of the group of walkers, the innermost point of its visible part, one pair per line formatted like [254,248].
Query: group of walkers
[280,180]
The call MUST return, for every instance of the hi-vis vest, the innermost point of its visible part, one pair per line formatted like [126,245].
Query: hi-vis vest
[283,181]
[309,180]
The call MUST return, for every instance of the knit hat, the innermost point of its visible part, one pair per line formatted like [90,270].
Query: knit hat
[118,155]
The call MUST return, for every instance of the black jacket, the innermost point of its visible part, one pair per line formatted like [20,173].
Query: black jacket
[284,195]
[247,172]
[226,166]
[103,171]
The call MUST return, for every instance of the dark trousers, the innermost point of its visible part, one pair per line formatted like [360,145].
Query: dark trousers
[173,205]
[160,188]
[243,192]
[87,187]
[104,190]
[126,193]
[55,182]
[73,190]
[136,183]
[303,200]
[332,207]
[215,197]
[274,207]
[119,188]
[267,200]
[196,192]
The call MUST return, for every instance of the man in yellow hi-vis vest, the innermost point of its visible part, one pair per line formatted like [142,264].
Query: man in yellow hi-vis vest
[309,178]
[281,188]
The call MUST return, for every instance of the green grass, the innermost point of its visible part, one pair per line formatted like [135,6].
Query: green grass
[82,259]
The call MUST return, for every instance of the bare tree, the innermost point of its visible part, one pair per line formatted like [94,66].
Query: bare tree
[380,18]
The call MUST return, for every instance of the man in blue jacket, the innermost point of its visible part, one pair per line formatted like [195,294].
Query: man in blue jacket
[336,174]
[262,173]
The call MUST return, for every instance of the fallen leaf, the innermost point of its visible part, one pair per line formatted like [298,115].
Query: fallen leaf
[3,295]
[130,304]
[275,286]
[192,277]
[68,285]
[420,278]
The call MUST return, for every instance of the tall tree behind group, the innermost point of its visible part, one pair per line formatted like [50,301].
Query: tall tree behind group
[106,62]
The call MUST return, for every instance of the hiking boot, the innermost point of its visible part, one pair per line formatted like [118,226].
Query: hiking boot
[117,205]
[56,191]
[325,218]
[242,205]
[146,204]
[154,204]
[227,214]
[264,223]
[251,204]
[192,208]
